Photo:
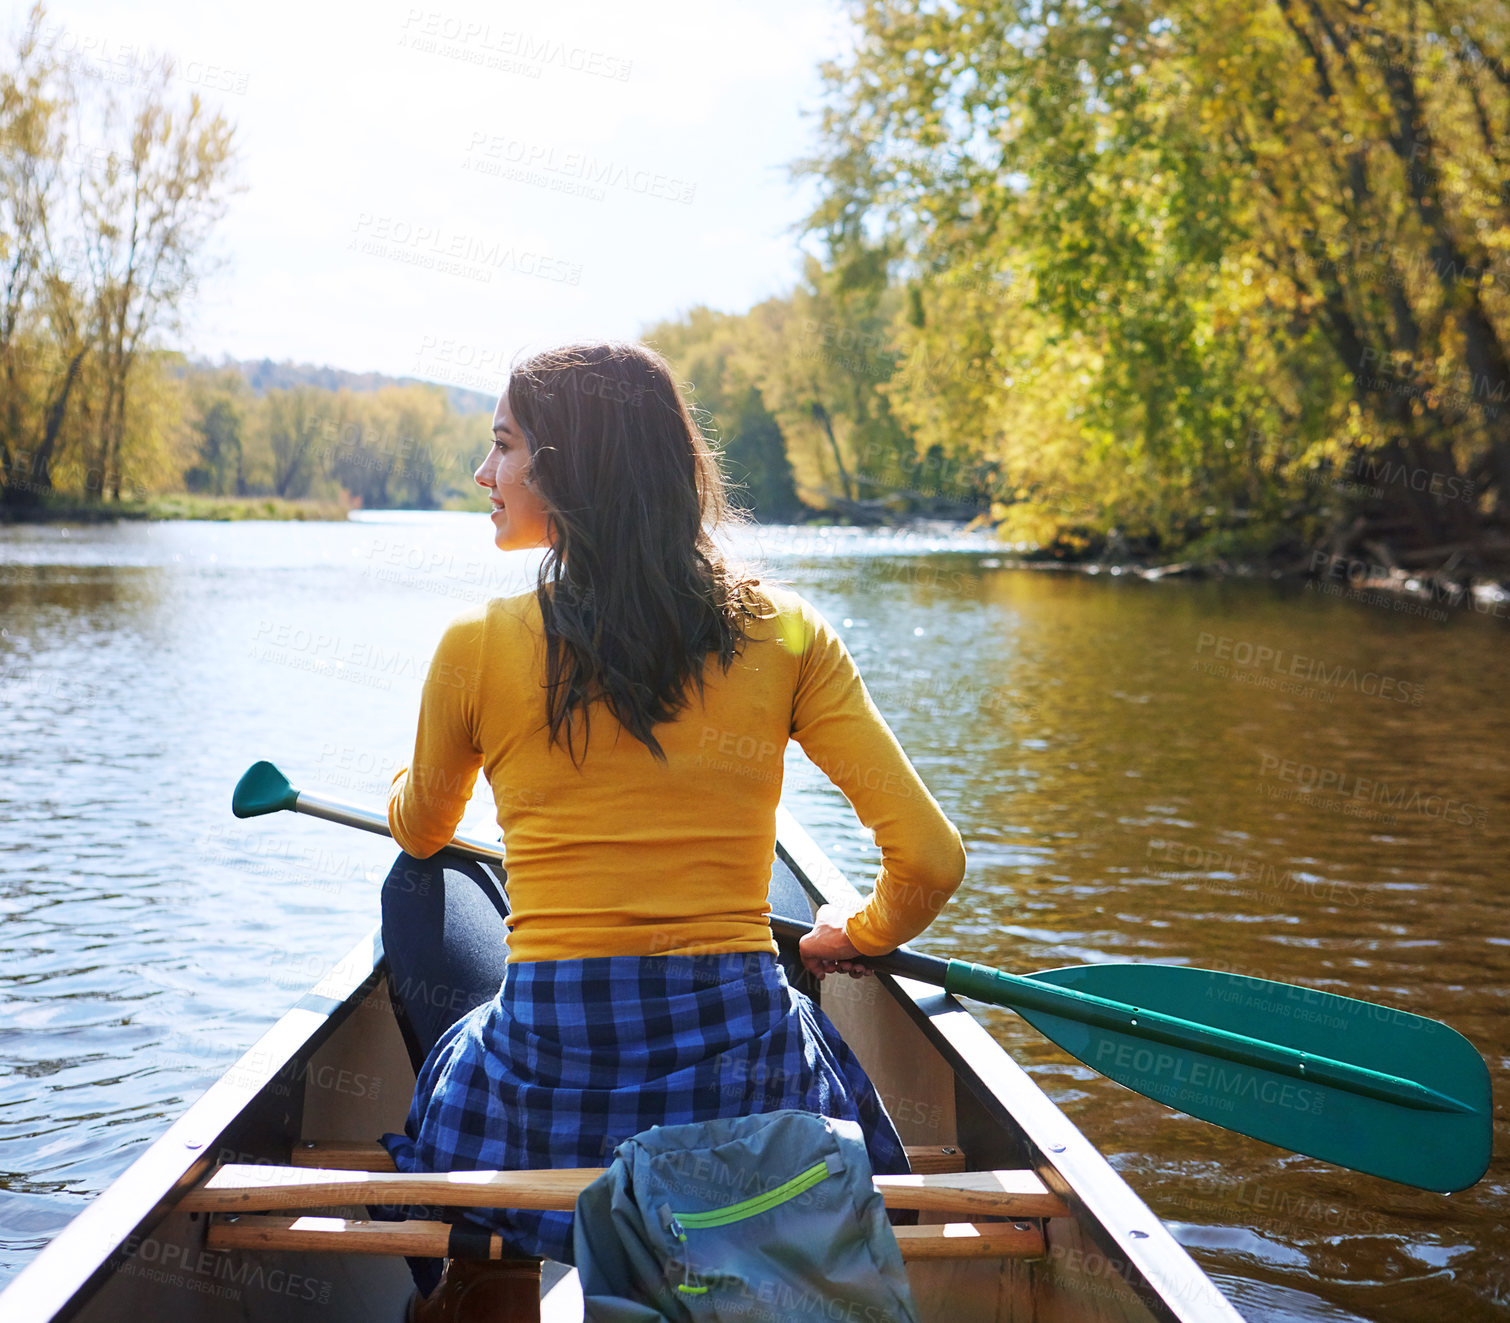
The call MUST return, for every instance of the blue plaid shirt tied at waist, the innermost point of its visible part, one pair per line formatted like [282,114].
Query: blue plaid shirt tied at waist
[572,1057]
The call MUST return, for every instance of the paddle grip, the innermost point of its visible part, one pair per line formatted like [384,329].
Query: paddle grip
[901,962]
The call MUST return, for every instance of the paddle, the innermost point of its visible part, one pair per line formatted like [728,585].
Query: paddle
[1351,1082]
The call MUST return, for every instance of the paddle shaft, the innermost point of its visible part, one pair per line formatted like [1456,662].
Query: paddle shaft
[348,815]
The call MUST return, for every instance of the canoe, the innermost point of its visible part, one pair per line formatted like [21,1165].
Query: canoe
[332,1075]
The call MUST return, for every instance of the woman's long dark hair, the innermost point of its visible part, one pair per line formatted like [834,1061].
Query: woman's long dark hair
[633,592]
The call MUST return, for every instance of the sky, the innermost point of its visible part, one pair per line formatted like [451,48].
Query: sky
[430,190]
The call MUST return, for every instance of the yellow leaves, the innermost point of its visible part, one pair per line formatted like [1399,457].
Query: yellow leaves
[1029,525]
[1229,133]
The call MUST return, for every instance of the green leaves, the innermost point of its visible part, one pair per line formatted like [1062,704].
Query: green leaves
[1213,215]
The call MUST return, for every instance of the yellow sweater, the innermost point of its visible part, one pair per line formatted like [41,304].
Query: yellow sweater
[628,856]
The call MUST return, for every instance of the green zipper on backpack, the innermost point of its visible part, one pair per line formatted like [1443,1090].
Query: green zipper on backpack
[760,1203]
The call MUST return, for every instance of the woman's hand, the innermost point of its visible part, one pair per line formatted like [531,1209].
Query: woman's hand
[827,948]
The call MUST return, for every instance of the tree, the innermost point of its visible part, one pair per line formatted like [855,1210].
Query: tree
[755,451]
[820,360]
[1178,259]
[146,212]
[292,422]
[30,150]
[102,241]
[220,419]
[394,446]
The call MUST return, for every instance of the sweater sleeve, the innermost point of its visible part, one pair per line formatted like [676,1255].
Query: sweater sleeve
[840,728]
[429,796]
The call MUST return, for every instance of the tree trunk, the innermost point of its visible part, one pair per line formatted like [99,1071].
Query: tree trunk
[52,428]
[821,414]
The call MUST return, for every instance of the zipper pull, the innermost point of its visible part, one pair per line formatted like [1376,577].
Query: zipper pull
[669,1223]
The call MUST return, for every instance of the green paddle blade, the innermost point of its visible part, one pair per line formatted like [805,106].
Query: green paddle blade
[262,789]
[1432,1129]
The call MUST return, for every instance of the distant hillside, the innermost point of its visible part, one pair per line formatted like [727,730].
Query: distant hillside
[264,375]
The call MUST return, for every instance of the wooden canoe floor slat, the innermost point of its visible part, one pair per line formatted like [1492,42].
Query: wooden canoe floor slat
[339,1235]
[352,1155]
[246,1188]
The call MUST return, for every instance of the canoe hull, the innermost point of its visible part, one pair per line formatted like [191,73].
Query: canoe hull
[335,1068]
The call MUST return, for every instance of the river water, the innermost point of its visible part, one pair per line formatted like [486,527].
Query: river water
[1182,772]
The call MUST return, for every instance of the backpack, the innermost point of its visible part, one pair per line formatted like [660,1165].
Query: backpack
[760,1219]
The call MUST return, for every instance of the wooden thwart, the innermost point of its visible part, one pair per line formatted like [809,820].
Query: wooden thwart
[247,1188]
[236,1188]
[343,1235]
[350,1155]
[339,1235]
[339,1173]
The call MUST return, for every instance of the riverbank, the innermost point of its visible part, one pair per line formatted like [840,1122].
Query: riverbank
[1359,563]
[176,505]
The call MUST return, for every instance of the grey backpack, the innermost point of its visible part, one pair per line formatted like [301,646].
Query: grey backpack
[767,1217]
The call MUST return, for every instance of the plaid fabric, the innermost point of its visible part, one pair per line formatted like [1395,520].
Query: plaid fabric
[572,1057]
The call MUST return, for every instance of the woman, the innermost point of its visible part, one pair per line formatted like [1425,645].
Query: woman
[630,713]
